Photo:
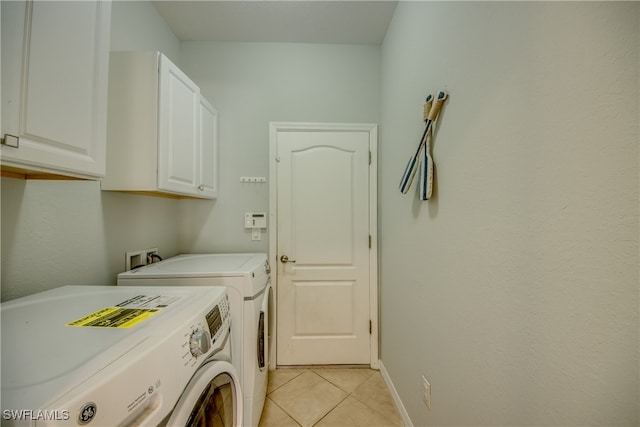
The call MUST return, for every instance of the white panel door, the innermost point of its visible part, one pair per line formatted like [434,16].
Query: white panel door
[323,211]
[179,130]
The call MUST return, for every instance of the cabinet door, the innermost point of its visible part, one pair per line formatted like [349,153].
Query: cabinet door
[208,159]
[54,85]
[179,123]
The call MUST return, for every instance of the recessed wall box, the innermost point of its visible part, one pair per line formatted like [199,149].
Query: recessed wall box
[134,259]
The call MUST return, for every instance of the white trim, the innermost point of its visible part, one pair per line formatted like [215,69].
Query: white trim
[406,421]
[373,251]
[372,129]
[273,234]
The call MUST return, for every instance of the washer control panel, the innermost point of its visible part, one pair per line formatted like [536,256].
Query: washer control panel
[199,342]
[219,320]
[208,334]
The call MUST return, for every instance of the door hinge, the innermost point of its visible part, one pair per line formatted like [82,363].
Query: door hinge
[370,327]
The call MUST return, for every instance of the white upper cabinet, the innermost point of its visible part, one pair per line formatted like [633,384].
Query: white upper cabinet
[54,86]
[179,122]
[161,132]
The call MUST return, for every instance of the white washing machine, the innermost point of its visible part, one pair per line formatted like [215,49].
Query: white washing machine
[106,356]
[247,279]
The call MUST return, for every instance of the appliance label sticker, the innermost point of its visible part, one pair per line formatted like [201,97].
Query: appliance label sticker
[127,313]
[149,301]
[114,317]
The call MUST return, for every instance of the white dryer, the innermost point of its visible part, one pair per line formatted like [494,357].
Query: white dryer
[247,280]
[107,356]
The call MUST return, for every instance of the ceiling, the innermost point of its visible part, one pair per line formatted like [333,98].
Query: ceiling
[306,21]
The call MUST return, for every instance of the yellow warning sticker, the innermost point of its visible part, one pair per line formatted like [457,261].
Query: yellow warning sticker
[114,317]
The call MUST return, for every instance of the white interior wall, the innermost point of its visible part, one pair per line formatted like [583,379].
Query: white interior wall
[515,290]
[58,233]
[137,26]
[252,84]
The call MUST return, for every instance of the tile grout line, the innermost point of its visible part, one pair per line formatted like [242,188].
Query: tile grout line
[279,387]
[285,383]
[351,394]
[330,410]
[380,413]
[348,394]
[336,385]
[311,370]
[285,411]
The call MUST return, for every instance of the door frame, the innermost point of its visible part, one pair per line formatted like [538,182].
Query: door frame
[372,129]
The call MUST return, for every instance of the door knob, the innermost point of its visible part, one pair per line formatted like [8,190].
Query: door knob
[285,259]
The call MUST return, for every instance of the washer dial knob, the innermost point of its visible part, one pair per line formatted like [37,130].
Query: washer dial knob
[199,342]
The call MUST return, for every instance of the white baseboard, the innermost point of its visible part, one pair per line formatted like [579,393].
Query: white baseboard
[406,421]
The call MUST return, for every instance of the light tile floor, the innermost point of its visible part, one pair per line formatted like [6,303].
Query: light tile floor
[328,397]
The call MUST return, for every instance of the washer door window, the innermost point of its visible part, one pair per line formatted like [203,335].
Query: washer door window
[211,398]
[265,328]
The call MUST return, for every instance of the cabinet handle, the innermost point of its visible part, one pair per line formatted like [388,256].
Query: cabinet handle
[201,187]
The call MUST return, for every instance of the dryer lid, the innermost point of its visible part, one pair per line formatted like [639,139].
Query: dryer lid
[202,265]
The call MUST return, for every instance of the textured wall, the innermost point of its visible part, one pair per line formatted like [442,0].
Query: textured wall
[252,84]
[515,291]
[137,25]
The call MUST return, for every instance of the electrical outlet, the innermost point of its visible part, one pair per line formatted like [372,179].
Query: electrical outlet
[134,259]
[151,255]
[426,388]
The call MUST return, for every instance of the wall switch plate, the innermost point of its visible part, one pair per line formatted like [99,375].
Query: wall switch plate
[255,234]
[426,389]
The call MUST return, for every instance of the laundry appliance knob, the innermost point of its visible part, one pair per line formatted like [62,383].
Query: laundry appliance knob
[199,342]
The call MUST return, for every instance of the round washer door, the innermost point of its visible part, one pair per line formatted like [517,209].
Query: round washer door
[211,398]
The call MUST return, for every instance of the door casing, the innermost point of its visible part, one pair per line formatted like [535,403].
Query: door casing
[372,129]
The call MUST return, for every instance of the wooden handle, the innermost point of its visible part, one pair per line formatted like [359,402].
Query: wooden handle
[427,107]
[437,105]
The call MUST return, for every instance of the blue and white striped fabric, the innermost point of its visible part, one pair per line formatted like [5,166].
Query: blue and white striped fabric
[412,165]
[425,183]
[422,158]
[410,170]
